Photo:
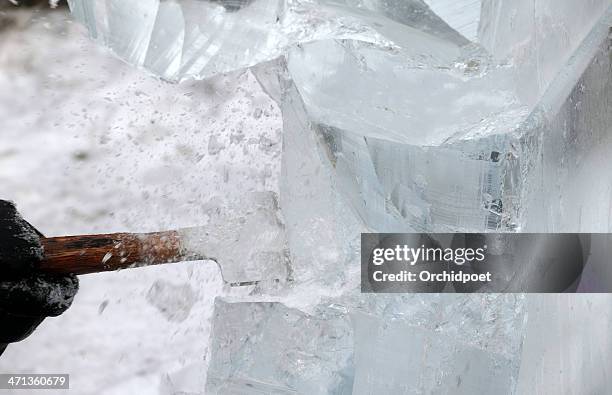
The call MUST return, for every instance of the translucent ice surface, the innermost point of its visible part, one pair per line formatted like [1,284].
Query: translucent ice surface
[425,95]
[191,38]
[271,349]
[426,146]
[203,38]
[437,363]
[461,15]
[537,37]
[408,345]
[561,354]
[566,145]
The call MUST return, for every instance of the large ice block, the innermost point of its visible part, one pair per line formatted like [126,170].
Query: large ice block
[398,358]
[392,178]
[461,156]
[369,344]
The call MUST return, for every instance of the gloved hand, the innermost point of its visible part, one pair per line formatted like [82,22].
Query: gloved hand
[27,296]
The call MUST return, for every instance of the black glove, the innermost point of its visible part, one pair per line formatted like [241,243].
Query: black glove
[27,296]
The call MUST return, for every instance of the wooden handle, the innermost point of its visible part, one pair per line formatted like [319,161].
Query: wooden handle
[108,252]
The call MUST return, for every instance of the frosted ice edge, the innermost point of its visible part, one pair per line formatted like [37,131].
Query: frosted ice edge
[198,39]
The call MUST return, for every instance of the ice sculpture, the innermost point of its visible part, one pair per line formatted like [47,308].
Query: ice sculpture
[397,116]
